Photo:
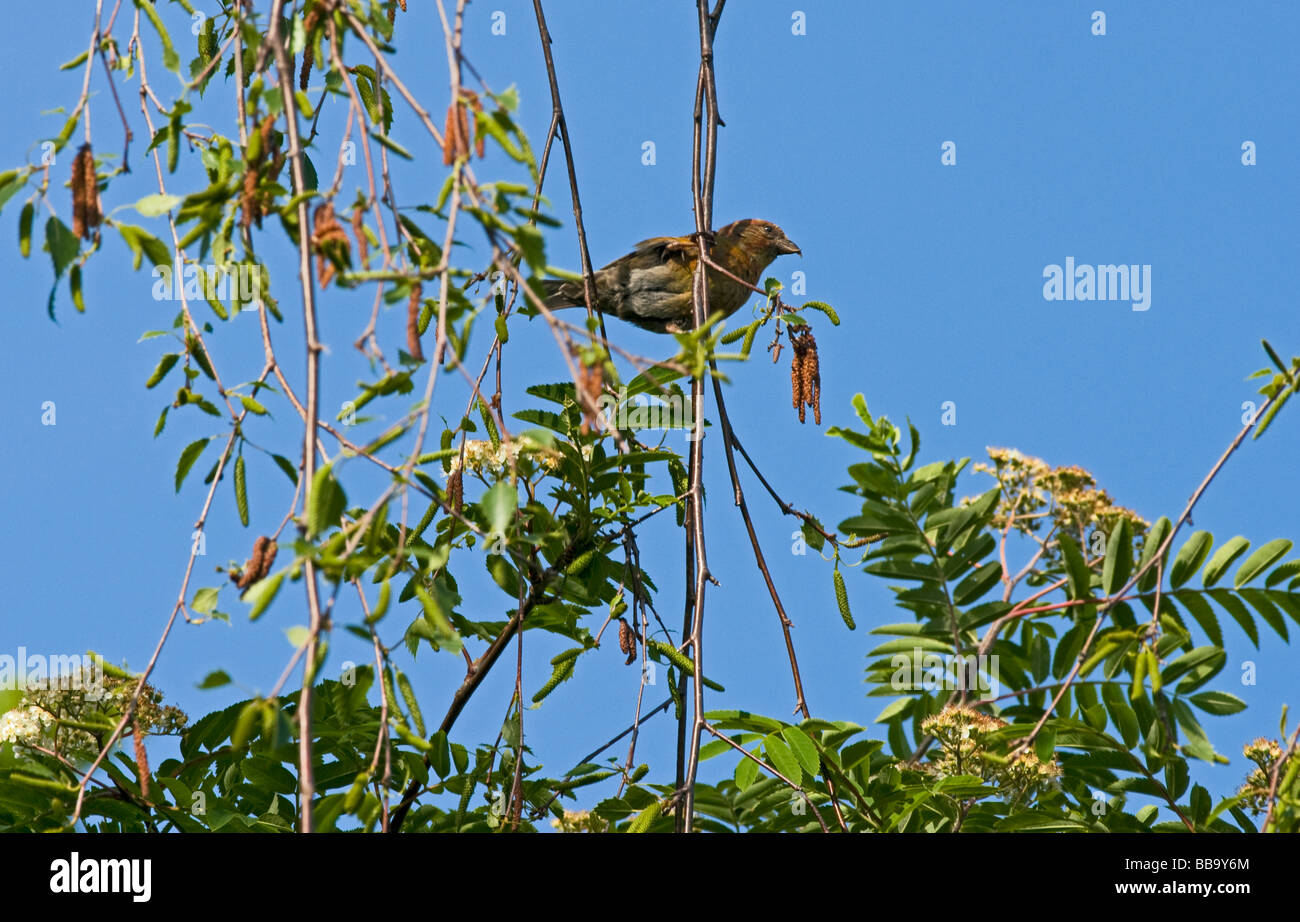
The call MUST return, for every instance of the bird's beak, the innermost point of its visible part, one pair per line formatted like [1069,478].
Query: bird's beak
[786,245]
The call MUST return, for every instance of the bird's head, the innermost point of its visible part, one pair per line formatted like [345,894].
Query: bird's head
[761,238]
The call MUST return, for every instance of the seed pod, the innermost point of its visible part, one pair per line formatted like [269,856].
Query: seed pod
[562,672]
[805,374]
[141,757]
[455,490]
[308,61]
[329,240]
[413,323]
[627,641]
[842,599]
[359,231]
[450,143]
[85,194]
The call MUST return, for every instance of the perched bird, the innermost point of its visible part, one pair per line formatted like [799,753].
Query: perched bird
[651,286]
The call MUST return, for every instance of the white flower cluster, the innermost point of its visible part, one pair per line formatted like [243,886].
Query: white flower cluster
[485,458]
[23,725]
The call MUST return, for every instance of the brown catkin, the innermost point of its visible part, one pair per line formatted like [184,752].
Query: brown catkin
[308,61]
[413,323]
[627,640]
[85,194]
[249,212]
[455,491]
[591,382]
[450,144]
[462,136]
[805,375]
[479,139]
[259,564]
[358,230]
[141,757]
[796,382]
[327,232]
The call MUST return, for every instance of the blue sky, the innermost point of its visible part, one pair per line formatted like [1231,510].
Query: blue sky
[1122,148]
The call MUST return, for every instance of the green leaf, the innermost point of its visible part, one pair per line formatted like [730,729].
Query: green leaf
[746,772]
[143,243]
[1076,568]
[392,145]
[1261,560]
[287,466]
[25,230]
[1190,557]
[1203,612]
[977,583]
[499,504]
[205,600]
[326,503]
[1038,822]
[1223,558]
[215,679]
[1045,745]
[170,60]
[444,634]
[151,206]
[262,593]
[188,457]
[1217,702]
[532,246]
[252,405]
[804,750]
[782,759]
[1119,558]
[61,244]
[1150,544]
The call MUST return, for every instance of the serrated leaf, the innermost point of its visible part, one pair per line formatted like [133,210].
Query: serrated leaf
[746,772]
[1076,568]
[782,759]
[1217,702]
[1190,557]
[1263,558]
[1119,558]
[804,750]
[1222,559]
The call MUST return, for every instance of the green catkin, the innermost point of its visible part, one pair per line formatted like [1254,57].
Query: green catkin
[842,598]
[412,705]
[562,672]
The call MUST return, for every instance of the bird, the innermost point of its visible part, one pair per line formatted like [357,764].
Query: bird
[651,287]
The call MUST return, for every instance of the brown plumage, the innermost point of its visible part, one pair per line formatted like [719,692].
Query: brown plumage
[651,286]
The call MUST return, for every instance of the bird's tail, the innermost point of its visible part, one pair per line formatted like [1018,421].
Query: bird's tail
[561,294]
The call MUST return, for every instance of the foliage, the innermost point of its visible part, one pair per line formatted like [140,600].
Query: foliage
[1104,649]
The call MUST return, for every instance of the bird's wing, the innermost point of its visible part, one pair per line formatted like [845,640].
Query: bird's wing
[666,248]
